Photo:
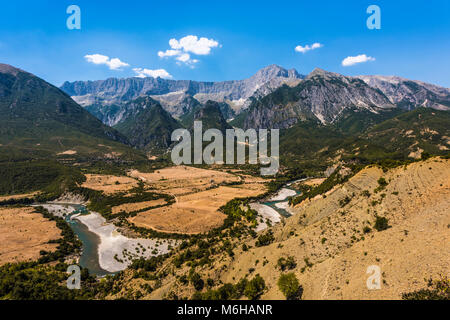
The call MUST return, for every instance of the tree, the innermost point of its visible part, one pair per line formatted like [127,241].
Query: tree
[286,264]
[290,287]
[265,239]
[255,288]
[197,282]
[381,223]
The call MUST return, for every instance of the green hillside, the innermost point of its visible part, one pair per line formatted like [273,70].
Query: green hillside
[37,120]
[149,127]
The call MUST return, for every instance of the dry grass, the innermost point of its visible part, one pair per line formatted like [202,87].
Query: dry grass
[67,152]
[313,182]
[109,184]
[331,236]
[19,196]
[198,198]
[194,213]
[24,233]
[184,180]
[130,207]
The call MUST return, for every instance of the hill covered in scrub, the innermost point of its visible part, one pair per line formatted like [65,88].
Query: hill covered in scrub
[148,125]
[395,218]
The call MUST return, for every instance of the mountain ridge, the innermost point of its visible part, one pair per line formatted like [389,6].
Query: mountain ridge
[38,117]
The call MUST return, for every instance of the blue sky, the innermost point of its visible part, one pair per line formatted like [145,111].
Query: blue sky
[242,37]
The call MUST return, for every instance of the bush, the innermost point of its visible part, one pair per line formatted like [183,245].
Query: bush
[425,155]
[197,281]
[381,223]
[255,288]
[286,264]
[437,290]
[345,201]
[366,193]
[289,286]
[382,183]
[265,239]
[366,229]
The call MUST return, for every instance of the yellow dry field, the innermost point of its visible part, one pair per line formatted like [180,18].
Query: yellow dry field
[24,233]
[109,184]
[330,236]
[130,207]
[193,213]
[313,182]
[18,196]
[183,180]
[197,198]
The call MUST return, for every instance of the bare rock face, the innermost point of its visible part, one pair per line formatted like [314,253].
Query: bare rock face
[177,103]
[409,94]
[176,96]
[321,96]
[272,98]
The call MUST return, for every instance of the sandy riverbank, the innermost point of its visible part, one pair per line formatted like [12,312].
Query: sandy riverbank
[285,206]
[58,209]
[266,213]
[116,251]
[112,243]
[282,194]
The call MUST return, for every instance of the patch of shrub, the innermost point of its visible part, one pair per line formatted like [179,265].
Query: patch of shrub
[255,288]
[381,223]
[290,287]
[286,263]
[436,290]
[265,239]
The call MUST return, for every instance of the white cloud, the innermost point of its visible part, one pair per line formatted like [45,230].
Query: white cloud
[350,61]
[194,45]
[113,64]
[185,57]
[183,48]
[169,53]
[308,47]
[159,73]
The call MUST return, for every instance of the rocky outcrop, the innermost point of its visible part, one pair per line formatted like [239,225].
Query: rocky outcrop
[322,95]
[409,94]
[236,93]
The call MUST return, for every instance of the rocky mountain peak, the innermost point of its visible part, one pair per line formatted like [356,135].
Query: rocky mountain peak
[317,72]
[272,71]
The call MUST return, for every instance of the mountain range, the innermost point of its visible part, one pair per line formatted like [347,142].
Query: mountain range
[322,115]
[105,97]
[322,95]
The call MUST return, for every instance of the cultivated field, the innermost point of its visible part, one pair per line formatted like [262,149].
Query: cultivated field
[109,184]
[184,180]
[130,207]
[18,196]
[24,233]
[198,194]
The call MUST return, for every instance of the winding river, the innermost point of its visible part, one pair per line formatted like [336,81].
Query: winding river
[105,250]
[271,210]
[280,202]
[101,241]
[89,256]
